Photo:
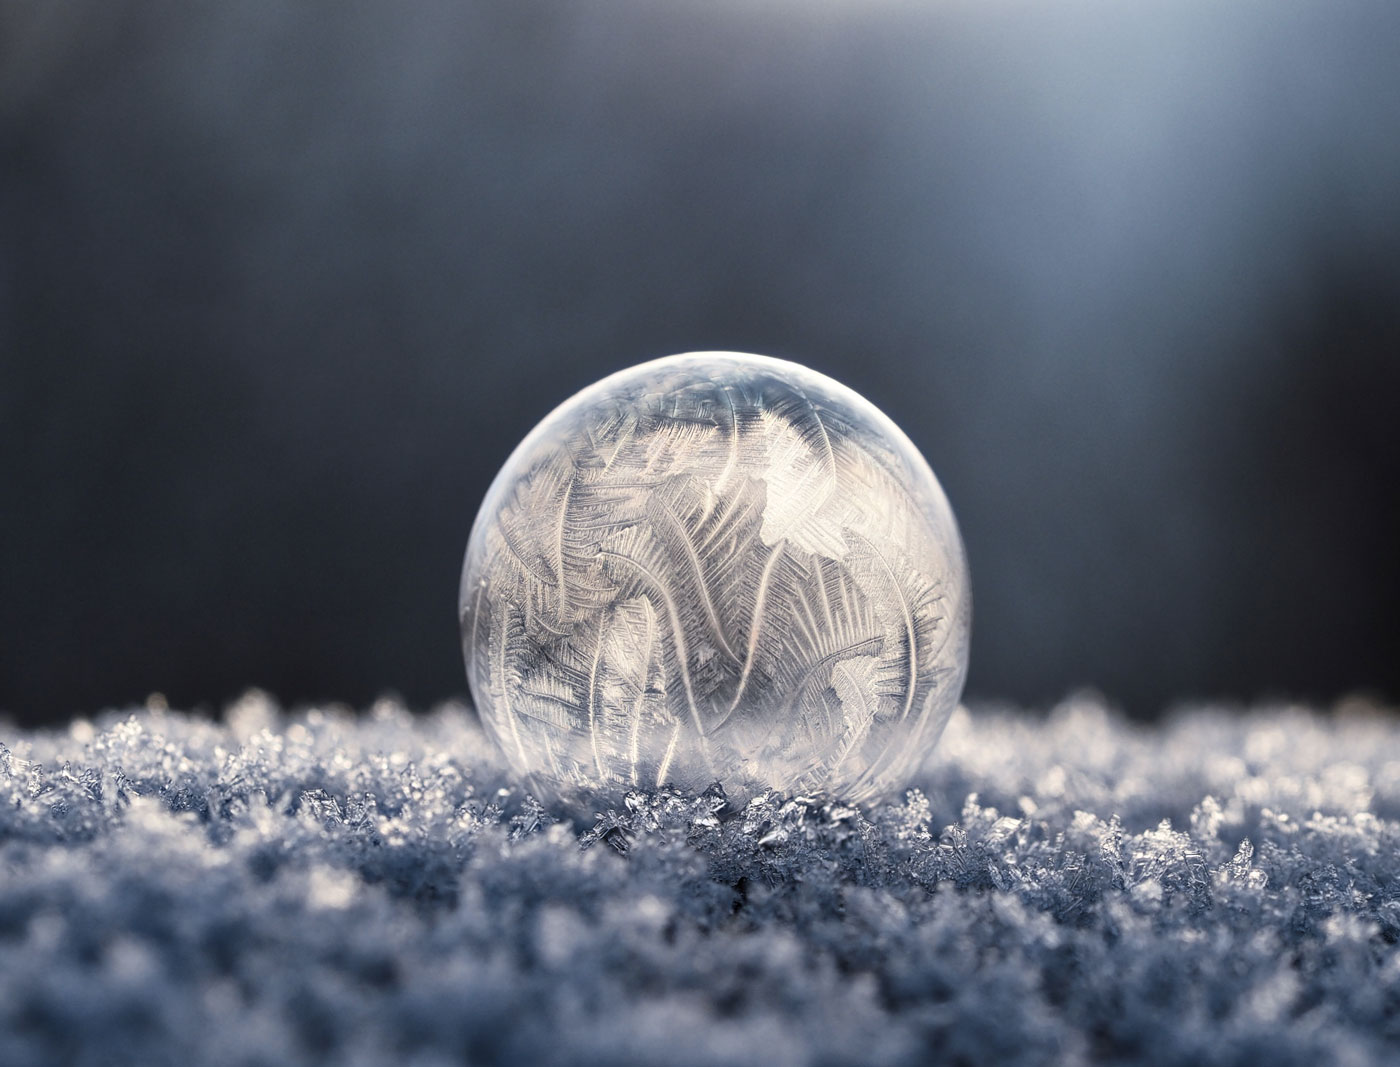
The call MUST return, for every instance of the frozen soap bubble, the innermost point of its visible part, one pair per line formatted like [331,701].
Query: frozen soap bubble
[715,566]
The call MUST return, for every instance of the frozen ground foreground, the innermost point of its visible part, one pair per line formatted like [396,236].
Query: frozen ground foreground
[321,888]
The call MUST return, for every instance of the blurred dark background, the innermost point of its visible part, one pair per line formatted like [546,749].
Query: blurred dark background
[282,285]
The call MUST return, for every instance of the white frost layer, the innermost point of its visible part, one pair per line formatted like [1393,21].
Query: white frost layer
[320,888]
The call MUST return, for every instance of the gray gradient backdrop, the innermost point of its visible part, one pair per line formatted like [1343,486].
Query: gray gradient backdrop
[281,286]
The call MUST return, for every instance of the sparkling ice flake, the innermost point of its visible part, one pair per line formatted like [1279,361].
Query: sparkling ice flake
[710,567]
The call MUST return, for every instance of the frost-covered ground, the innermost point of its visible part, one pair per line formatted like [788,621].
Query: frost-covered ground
[321,888]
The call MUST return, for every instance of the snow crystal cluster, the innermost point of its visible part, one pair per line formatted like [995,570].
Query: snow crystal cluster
[321,887]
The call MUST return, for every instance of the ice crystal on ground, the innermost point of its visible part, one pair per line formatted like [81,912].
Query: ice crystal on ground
[324,888]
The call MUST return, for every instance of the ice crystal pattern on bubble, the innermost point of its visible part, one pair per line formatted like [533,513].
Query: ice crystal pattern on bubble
[715,567]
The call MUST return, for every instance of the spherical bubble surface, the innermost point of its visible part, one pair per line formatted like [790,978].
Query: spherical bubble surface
[715,567]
